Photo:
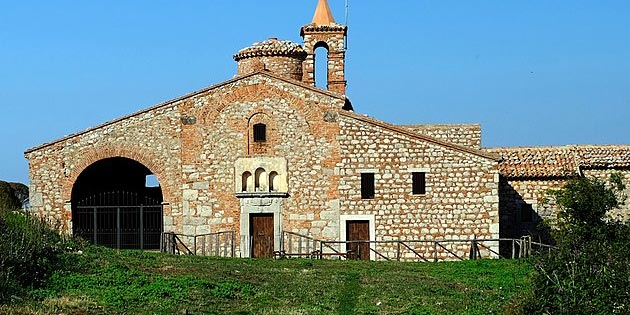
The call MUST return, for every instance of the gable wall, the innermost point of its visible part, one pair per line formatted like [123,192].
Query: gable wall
[467,135]
[151,138]
[462,189]
[297,132]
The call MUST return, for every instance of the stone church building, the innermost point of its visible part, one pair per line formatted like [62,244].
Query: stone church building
[267,152]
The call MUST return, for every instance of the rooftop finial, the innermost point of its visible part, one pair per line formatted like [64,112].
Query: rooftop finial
[323,15]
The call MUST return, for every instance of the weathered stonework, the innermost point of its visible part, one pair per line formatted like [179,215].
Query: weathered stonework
[468,135]
[304,163]
[527,175]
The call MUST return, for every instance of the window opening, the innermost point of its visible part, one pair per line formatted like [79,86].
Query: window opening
[260,133]
[419,184]
[367,185]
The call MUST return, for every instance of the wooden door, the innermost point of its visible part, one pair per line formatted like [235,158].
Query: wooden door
[261,234]
[358,231]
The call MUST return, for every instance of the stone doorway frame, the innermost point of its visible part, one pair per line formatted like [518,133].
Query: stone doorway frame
[257,203]
[358,217]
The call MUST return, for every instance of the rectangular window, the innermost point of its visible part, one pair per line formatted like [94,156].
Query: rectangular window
[527,213]
[260,133]
[419,183]
[367,185]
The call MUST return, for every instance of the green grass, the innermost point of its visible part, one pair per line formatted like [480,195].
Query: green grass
[104,281]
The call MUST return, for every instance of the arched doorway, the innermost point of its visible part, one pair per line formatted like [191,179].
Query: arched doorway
[116,202]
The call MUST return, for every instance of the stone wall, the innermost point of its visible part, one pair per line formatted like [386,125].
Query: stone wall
[151,137]
[288,67]
[332,37]
[298,133]
[468,135]
[461,200]
[516,193]
[200,145]
[623,212]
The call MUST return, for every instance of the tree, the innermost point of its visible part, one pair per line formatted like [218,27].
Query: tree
[589,272]
[8,200]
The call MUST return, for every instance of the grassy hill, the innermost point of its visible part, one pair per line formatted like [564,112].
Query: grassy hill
[104,281]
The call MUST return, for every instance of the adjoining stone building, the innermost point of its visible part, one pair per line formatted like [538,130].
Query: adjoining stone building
[267,152]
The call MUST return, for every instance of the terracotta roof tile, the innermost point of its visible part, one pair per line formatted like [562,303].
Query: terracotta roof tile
[560,161]
[609,156]
[272,47]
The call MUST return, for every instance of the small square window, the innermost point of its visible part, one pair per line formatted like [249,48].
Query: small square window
[419,183]
[260,133]
[367,185]
[527,213]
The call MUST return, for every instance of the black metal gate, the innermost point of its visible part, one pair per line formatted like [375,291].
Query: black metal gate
[122,220]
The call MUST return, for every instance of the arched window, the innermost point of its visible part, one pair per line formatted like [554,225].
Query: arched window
[260,180]
[260,133]
[247,182]
[321,65]
[274,181]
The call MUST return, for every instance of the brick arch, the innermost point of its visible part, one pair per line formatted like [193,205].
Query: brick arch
[96,154]
[258,92]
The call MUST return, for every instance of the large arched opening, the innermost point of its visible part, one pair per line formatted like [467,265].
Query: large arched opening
[117,202]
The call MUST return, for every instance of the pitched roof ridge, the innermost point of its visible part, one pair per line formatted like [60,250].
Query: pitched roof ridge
[433,140]
[530,147]
[171,102]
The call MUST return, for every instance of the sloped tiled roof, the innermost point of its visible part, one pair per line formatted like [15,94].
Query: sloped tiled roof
[613,156]
[537,161]
[560,161]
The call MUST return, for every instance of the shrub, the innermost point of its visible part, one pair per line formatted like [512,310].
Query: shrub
[589,273]
[29,253]
[8,199]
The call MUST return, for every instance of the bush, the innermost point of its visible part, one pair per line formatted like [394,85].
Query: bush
[8,199]
[589,273]
[29,253]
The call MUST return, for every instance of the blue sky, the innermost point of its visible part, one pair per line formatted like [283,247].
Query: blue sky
[534,72]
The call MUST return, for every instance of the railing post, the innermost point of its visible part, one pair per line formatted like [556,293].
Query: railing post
[174,244]
[141,227]
[321,250]
[513,249]
[398,251]
[435,259]
[194,245]
[118,228]
[232,245]
[95,227]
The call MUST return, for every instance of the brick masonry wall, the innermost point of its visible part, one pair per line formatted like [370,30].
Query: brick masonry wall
[468,135]
[298,133]
[288,67]
[461,199]
[334,38]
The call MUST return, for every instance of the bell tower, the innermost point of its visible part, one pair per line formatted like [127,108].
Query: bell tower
[324,32]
